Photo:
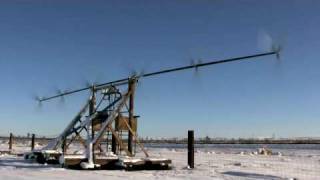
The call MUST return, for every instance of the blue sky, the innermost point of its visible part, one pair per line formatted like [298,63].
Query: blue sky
[49,45]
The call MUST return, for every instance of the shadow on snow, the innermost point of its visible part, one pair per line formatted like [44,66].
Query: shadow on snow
[252,175]
[24,164]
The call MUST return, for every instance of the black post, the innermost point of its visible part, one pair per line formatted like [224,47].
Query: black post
[191,149]
[10,141]
[32,142]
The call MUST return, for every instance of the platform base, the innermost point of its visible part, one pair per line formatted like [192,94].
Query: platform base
[44,157]
[101,162]
[132,164]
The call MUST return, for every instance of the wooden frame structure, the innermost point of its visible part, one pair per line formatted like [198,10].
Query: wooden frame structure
[110,112]
[101,121]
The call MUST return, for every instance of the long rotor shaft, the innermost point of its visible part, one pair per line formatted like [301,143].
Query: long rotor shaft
[198,65]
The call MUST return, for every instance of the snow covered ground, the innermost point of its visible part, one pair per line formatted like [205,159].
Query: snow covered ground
[210,163]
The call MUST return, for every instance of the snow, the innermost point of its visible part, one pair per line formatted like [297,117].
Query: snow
[210,164]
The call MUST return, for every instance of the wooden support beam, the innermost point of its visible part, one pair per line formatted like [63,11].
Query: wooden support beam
[64,145]
[119,141]
[82,141]
[92,110]
[137,139]
[114,144]
[132,86]
[111,118]
[76,137]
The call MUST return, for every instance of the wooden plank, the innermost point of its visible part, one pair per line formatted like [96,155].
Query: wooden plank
[121,121]
[118,139]
[137,139]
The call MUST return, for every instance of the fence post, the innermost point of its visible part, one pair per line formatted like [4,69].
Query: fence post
[32,141]
[191,149]
[10,141]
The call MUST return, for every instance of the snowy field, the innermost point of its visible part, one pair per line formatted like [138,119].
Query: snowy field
[211,162]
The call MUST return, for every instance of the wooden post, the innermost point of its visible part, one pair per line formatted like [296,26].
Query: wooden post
[92,110]
[92,107]
[10,141]
[191,149]
[132,84]
[64,146]
[114,144]
[32,141]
